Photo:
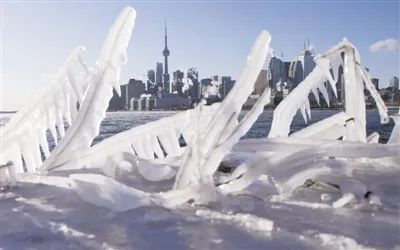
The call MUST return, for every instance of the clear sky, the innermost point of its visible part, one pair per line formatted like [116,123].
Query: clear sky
[213,36]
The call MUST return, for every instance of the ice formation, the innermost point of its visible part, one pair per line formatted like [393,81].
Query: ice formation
[156,141]
[105,77]
[355,77]
[24,136]
[75,85]
[211,142]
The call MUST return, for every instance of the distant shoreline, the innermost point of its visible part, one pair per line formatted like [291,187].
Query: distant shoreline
[175,110]
[245,109]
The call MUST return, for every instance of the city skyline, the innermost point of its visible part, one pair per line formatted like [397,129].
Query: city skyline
[219,49]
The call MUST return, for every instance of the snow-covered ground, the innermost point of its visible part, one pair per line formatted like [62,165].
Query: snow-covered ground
[51,215]
[39,216]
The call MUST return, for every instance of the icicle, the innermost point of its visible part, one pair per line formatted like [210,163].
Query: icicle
[303,112]
[322,88]
[117,89]
[148,149]
[336,61]
[27,153]
[60,125]
[308,109]
[44,143]
[323,63]
[383,111]
[316,94]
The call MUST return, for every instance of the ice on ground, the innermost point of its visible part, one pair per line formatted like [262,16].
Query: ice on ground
[39,215]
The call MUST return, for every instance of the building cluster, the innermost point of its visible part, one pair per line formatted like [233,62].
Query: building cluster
[184,90]
[282,77]
[160,92]
[391,94]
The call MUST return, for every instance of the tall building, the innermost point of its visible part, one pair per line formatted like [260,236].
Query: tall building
[375,82]
[276,67]
[394,83]
[159,74]
[286,72]
[166,85]
[151,87]
[133,89]
[194,91]
[225,86]
[302,65]
[309,63]
[296,73]
[177,83]
[151,76]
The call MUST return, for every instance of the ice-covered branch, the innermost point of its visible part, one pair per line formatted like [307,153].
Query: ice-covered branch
[218,137]
[24,136]
[354,76]
[106,76]
[157,141]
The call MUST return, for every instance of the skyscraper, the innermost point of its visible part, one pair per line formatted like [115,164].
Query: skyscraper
[276,67]
[151,76]
[302,65]
[166,85]
[194,91]
[159,75]
[394,83]
[375,82]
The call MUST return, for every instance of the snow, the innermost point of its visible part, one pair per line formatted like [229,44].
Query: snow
[298,222]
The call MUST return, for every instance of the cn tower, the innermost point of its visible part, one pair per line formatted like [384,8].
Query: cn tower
[166,86]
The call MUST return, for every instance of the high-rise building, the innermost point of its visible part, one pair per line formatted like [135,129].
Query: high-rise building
[159,74]
[225,86]
[151,87]
[177,83]
[286,72]
[166,83]
[375,82]
[133,89]
[276,67]
[178,76]
[296,73]
[309,63]
[206,81]
[394,83]
[151,76]
[194,91]
[301,66]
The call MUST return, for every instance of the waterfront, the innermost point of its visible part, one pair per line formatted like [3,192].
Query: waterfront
[116,122]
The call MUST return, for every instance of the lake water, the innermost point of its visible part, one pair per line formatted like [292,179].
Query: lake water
[119,121]
[116,122]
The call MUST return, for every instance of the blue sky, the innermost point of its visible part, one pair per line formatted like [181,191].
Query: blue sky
[214,37]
